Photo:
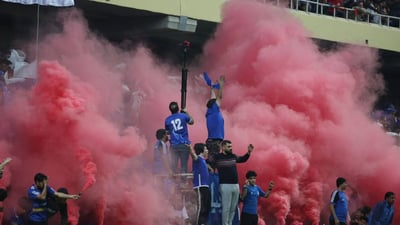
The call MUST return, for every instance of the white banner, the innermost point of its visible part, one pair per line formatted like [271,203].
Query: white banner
[58,3]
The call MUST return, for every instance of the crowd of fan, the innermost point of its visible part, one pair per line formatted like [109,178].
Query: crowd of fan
[373,11]
[388,120]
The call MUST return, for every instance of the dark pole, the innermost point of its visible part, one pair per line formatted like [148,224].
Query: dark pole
[186,45]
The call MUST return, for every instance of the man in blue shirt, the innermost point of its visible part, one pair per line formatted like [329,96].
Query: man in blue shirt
[38,193]
[201,182]
[214,119]
[250,194]
[339,204]
[382,214]
[176,125]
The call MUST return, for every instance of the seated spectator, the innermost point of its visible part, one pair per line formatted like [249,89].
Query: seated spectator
[374,15]
[361,13]
[336,8]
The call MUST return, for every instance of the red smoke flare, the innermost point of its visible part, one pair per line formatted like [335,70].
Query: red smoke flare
[73,213]
[88,167]
[100,209]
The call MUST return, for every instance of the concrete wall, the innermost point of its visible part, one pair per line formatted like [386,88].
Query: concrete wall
[320,27]
[348,31]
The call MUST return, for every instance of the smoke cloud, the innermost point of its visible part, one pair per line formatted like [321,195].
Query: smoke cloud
[306,112]
[90,121]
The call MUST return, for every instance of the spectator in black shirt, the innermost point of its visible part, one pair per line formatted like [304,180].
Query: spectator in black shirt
[225,163]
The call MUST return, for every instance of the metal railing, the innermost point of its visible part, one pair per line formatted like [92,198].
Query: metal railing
[359,14]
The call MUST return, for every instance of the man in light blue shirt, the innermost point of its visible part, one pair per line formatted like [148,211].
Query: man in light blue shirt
[251,192]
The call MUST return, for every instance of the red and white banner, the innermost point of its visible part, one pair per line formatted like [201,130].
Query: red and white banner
[57,3]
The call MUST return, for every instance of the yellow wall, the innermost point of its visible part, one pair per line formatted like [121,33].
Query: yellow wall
[197,9]
[320,27]
[347,31]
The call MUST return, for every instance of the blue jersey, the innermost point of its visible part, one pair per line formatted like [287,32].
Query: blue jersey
[176,124]
[201,177]
[250,202]
[382,214]
[215,122]
[340,203]
[39,206]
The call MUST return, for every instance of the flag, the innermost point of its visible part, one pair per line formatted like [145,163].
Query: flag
[208,81]
[57,3]
[207,78]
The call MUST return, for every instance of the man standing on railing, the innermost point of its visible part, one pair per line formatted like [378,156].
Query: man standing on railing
[176,125]
[214,118]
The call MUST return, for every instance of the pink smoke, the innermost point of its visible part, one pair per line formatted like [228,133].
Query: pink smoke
[72,126]
[88,166]
[306,113]
[73,213]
